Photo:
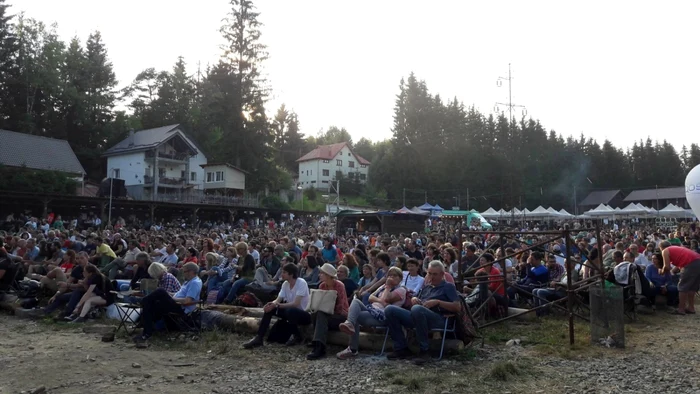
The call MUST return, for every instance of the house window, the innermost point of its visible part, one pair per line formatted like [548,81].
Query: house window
[183,174]
[193,176]
[363,177]
[339,163]
[312,172]
[219,176]
[351,164]
[326,161]
[326,172]
[117,173]
[161,172]
[363,165]
[313,181]
[324,181]
[210,177]
[348,153]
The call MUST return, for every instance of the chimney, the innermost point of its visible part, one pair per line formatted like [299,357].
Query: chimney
[131,137]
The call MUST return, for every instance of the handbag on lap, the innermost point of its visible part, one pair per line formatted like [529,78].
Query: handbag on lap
[323,301]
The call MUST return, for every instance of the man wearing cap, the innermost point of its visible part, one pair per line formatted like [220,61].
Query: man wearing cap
[437,298]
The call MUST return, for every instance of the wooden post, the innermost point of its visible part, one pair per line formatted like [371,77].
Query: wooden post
[569,289]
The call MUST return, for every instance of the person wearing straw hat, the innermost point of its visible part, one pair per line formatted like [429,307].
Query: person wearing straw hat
[323,321]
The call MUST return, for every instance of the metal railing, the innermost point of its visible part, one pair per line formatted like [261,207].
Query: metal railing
[172,156]
[162,180]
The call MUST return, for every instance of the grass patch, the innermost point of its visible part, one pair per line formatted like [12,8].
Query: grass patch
[503,370]
[414,384]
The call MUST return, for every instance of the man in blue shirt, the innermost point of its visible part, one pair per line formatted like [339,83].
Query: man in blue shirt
[437,298]
[160,304]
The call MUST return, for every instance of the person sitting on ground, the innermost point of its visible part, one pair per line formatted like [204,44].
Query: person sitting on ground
[160,303]
[689,263]
[98,293]
[103,254]
[492,274]
[119,266]
[663,282]
[537,276]
[556,289]
[166,280]
[323,322]
[556,271]
[382,263]
[246,267]
[51,262]
[350,285]
[437,298]
[58,275]
[372,315]
[69,292]
[290,305]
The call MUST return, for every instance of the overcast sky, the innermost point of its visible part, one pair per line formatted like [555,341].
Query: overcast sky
[621,70]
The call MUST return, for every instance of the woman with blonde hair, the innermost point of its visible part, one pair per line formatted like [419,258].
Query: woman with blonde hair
[246,269]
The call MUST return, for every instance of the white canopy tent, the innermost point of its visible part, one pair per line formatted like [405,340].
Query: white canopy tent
[565,214]
[673,211]
[490,213]
[539,212]
[601,211]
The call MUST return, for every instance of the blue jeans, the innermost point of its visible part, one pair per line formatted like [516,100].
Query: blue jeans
[419,317]
[71,299]
[215,282]
[229,289]
[359,316]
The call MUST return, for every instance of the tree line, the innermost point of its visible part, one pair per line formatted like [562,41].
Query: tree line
[69,90]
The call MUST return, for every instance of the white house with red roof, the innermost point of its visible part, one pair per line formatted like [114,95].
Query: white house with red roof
[320,166]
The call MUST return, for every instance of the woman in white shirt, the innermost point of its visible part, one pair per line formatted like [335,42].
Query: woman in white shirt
[411,278]
[290,305]
[359,314]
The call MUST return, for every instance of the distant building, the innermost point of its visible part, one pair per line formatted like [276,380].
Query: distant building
[224,179]
[160,163]
[320,166]
[659,198]
[612,198]
[39,153]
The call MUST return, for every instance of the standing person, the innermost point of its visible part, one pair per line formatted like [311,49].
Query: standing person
[290,305]
[323,321]
[689,263]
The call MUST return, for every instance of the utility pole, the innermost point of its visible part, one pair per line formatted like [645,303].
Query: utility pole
[404,196]
[510,105]
[426,196]
[467,199]
[575,202]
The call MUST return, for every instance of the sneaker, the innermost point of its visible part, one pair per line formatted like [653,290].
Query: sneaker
[70,317]
[421,358]
[347,328]
[78,320]
[255,342]
[400,354]
[346,354]
[294,340]
[318,352]
[140,339]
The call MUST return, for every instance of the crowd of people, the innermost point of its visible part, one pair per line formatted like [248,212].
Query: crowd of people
[395,281]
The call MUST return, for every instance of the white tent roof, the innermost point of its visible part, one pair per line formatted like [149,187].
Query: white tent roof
[516,212]
[539,212]
[672,211]
[564,213]
[601,210]
[503,212]
[489,213]
[553,211]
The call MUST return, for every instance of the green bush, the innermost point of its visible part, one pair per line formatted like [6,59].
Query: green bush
[36,181]
[274,202]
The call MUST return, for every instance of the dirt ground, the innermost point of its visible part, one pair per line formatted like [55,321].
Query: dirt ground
[62,359]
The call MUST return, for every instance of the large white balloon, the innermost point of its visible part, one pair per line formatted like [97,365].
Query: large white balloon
[692,190]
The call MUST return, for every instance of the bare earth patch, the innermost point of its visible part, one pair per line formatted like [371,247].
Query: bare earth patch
[63,359]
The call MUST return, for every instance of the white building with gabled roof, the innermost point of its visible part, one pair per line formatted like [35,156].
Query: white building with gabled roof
[320,166]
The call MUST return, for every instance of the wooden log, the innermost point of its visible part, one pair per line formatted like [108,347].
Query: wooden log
[237,310]
[368,340]
[527,316]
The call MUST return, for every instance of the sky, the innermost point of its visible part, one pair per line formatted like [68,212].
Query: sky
[621,70]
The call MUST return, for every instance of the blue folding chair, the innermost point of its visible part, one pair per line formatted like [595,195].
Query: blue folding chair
[444,330]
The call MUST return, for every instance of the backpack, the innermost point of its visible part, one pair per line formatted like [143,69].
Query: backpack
[248,300]
[28,289]
[465,326]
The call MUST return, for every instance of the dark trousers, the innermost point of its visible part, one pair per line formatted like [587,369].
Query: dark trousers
[294,316]
[156,306]
[323,323]
[70,299]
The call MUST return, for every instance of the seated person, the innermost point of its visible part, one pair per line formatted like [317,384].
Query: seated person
[537,275]
[166,280]
[268,274]
[69,292]
[368,276]
[290,305]
[98,293]
[372,315]
[343,275]
[663,283]
[309,270]
[54,260]
[323,322]
[119,267]
[412,280]
[103,254]
[556,290]
[219,271]
[58,275]
[231,288]
[437,298]
[160,303]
